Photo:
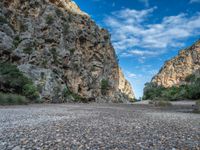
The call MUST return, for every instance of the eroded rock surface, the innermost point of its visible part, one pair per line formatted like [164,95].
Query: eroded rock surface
[178,68]
[60,48]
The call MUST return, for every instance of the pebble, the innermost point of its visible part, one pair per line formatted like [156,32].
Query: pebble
[97,126]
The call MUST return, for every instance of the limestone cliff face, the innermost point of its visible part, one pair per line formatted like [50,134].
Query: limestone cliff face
[59,47]
[125,86]
[178,68]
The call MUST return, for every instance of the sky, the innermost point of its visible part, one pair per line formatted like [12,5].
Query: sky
[146,33]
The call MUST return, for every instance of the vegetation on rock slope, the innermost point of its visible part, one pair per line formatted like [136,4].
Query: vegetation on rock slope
[190,90]
[12,80]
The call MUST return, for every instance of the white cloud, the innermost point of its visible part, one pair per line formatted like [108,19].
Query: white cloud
[132,34]
[194,1]
[131,75]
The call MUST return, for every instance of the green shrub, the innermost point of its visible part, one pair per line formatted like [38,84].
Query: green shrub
[16,41]
[30,91]
[49,19]
[54,54]
[12,79]
[189,91]
[77,97]
[65,28]
[190,78]
[104,86]
[28,50]
[67,93]
[12,99]
[151,91]
[2,20]
[59,12]
[72,50]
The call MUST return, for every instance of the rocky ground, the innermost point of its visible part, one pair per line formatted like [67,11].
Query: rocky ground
[98,126]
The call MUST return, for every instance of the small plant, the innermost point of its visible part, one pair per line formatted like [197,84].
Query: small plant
[93,68]
[70,18]
[49,19]
[72,50]
[76,97]
[54,54]
[28,50]
[23,27]
[3,19]
[65,28]
[44,63]
[12,79]
[104,86]
[67,93]
[190,78]
[12,99]
[59,12]
[16,41]
[30,91]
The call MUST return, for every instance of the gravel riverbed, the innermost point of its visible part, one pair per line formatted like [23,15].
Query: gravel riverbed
[98,126]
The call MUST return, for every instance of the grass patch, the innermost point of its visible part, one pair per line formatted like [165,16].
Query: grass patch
[12,99]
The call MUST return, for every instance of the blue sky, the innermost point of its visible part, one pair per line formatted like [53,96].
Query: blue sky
[146,33]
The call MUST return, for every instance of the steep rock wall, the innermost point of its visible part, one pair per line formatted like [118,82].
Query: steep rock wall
[174,71]
[60,48]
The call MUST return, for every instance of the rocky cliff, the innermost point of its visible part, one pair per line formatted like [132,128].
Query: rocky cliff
[125,86]
[62,50]
[175,71]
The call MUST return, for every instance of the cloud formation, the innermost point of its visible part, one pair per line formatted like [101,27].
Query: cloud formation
[130,75]
[134,34]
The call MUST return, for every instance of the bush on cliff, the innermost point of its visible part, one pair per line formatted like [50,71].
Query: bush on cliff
[191,90]
[104,86]
[12,80]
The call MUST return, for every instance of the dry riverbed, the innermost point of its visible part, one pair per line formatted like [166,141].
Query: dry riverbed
[98,126]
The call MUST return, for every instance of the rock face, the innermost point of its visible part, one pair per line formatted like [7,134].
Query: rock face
[125,86]
[60,48]
[178,68]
